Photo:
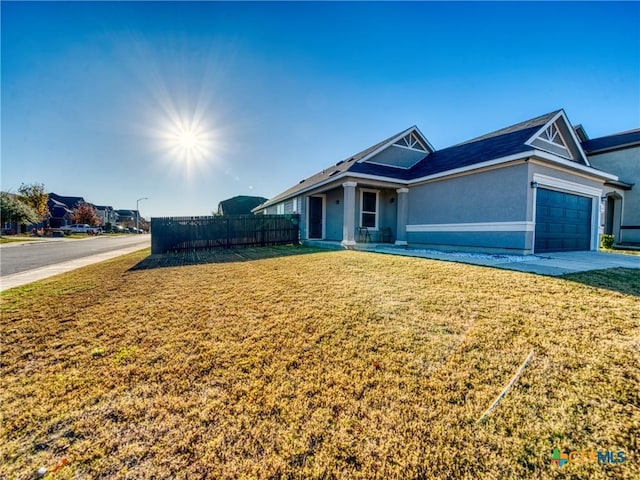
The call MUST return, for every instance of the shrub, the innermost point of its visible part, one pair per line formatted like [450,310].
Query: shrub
[606,241]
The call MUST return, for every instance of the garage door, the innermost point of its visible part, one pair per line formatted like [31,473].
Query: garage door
[563,222]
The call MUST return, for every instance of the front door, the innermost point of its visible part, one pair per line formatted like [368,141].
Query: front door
[315,217]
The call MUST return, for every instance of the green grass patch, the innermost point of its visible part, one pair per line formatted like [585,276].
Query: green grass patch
[318,365]
[13,239]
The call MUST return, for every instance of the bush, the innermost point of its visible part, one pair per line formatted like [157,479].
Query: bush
[606,241]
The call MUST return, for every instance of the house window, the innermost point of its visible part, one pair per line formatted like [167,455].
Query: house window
[369,208]
[280,209]
[295,205]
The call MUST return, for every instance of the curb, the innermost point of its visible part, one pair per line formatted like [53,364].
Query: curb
[24,278]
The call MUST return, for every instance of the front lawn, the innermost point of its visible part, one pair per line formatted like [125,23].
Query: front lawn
[317,365]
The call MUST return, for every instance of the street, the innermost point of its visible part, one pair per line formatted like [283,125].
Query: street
[15,258]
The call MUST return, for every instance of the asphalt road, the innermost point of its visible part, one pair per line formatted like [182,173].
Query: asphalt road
[36,254]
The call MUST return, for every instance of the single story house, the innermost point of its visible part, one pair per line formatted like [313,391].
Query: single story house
[527,188]
[619,154]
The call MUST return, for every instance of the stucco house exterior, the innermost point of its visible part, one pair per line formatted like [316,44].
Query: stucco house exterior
[527,188]
[619,154]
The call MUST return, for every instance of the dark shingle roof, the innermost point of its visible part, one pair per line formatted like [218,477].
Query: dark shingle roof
[466,154]
[349,163]
[501,143]
[533,122]
[70,202]
[612,142]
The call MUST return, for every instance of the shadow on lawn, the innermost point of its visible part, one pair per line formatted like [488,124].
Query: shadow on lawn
[202,257]
[623,280]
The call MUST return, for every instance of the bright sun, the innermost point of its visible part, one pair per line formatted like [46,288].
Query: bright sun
[188,140]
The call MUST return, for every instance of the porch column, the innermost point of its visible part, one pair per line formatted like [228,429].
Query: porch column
[402,214]
[349,211]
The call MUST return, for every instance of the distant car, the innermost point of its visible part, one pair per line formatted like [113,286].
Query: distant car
[79,228]
[118,229]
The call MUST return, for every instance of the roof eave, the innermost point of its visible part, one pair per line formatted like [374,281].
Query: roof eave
[542,155]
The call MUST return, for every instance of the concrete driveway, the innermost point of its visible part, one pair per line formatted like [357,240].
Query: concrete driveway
[571,262]
[553,264]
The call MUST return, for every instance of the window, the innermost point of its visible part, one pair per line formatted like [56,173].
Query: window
[369,208]
[295,205]
[280,209]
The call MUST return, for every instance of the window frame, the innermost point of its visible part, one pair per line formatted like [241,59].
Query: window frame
[377,211]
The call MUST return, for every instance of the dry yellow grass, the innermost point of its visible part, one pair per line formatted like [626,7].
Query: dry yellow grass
[323,365]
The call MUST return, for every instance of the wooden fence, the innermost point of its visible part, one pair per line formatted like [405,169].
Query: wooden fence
[172,234]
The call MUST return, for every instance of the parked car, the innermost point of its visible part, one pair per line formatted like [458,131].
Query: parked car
[118,229]
[80,228]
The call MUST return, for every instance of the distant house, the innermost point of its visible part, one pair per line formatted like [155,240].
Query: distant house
[240,205]
[619,154]
[526,188]
[61,209]
[106,214]
[126,216]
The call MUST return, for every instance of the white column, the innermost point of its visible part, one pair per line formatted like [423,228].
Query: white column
[402,213]
[349,211]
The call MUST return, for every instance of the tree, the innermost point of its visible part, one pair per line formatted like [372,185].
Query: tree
[85,213]
[14,210]
[35,197]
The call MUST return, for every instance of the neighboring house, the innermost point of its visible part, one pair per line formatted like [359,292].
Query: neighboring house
[620,155]
[126,216]
[527,188]
[61,209]
[106,214]
[240,205]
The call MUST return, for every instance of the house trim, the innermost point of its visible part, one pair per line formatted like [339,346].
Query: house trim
[565,185]
[377,212]
[573,165]
[474,227]
[324,216]
[472,168]
[575,139]
[421,138]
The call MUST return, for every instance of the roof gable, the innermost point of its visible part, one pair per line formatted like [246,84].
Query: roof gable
[558,137]
[400,151]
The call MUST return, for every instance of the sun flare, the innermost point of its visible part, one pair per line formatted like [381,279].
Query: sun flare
[188,143]
[188,140]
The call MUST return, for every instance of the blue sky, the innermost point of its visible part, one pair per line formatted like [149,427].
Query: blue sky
[192,103]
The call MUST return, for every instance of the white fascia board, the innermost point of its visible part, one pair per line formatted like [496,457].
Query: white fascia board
[327,181]
[572,132]
[475,166]
[474,227]
[424,139]
[573,165]
[572,187]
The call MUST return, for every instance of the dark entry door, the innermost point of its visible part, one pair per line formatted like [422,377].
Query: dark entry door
[563,222]
[315,217]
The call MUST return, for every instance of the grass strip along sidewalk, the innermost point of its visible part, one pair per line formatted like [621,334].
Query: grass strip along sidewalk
[317,365]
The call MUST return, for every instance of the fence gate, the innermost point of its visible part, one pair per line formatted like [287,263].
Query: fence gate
[171,234]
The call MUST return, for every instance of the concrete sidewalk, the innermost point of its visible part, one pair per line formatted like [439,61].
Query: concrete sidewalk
[23,278]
